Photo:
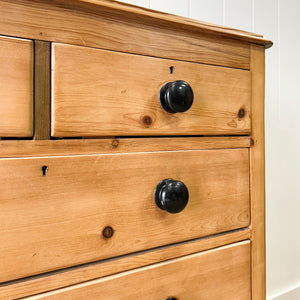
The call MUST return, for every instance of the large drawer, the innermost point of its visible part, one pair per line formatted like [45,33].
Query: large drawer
[16,87]
[65,215]
[222,273]
[105,93]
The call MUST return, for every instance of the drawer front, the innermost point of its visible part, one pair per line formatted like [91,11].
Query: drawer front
[222,273]
[98,93]
[67,216]
[16,87]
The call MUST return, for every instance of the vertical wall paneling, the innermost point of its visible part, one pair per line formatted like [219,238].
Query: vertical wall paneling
[238,14]
[177,7]
[267,25]
[208,11]
[143,3]
[284,208]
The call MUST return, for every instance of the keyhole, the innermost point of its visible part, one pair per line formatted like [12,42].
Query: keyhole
[172,69]
[44,169]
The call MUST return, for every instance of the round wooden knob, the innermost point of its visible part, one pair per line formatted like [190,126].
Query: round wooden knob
[176,96]
[171,195]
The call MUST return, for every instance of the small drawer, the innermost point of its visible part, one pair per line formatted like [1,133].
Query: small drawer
[63,211]
[105,93]
[222,273]
[16,88]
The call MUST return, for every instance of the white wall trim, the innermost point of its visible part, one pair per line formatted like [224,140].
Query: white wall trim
[289,294]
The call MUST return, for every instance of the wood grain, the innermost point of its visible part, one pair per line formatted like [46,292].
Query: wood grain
[65,211]
[75,275]
[42,89]
[257,175]
[116,145]
[109,25]
[99,93]
[16,87]
[222,273]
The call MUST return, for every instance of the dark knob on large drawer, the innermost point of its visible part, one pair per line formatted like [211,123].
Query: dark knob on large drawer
[171,195]
[176,96]
[171,298]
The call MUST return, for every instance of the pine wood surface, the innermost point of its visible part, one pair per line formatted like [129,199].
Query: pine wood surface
[75,275]
[16,87]
[67,147]
[65,211]
[257,175]
[99,93]
[42,89]
[125,12]
[222,273]
[104,25]
[51,224]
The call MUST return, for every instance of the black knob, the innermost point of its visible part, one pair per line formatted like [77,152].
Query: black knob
[171,298]
[171,195]
[176,96]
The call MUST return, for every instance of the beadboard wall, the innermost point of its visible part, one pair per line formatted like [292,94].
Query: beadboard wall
[279,21]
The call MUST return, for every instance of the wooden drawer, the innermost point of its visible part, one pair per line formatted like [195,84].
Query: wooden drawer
[57,220]
[16,87]
[105,93]
[222,273]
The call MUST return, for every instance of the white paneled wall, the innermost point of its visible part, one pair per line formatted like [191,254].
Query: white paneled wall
[178,7]
[278,20]
[144,3]
[238,14]
[207,11]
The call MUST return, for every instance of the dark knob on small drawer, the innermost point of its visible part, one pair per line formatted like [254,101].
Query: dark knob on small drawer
[176,96]
[171,298]
[171,195]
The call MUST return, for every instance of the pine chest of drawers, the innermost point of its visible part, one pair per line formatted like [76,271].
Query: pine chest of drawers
[132,155]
